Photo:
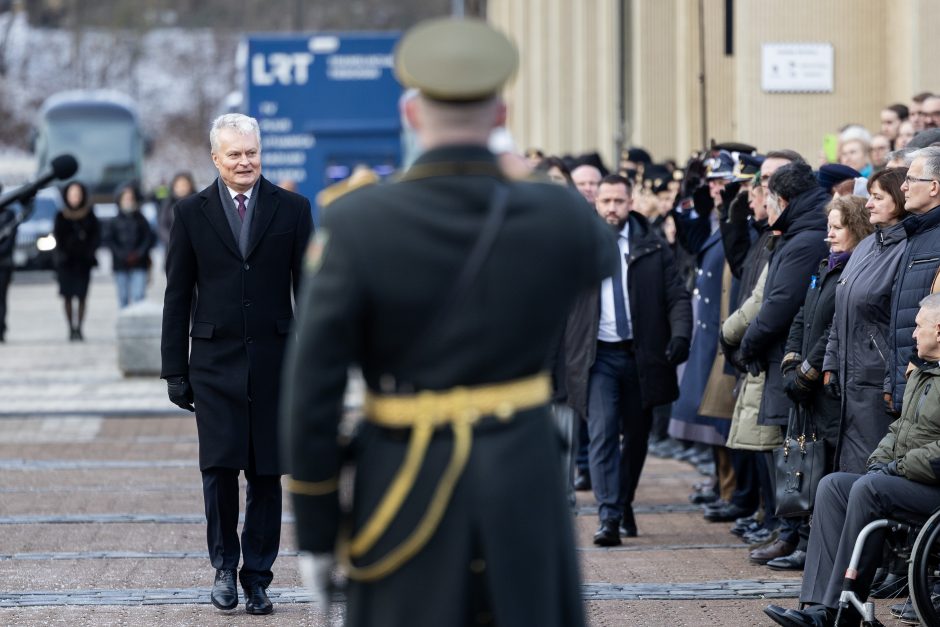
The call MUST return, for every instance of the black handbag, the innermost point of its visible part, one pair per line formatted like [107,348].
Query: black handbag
[800,464]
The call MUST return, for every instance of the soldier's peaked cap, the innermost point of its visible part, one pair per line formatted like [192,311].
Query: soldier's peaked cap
[455,60]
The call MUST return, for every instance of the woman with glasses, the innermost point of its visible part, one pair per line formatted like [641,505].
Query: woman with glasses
[856,355]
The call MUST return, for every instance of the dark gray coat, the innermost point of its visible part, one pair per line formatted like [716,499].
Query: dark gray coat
[792,262]
[858,344]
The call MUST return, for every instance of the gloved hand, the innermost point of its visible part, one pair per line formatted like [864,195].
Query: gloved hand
[789,362]
[754,367]
[740,209]
[316,572]
[796,387]
[677,351]
[727,348]
[704,203]
[180,392]
[728,193]
[883,468]
[831,384]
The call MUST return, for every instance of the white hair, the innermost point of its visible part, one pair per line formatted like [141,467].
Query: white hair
[854,131]
[931,157]
[238,122]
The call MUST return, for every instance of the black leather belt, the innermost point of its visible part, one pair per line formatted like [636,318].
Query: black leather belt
[626,345]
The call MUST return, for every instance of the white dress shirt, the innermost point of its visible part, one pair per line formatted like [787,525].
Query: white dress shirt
[607,331]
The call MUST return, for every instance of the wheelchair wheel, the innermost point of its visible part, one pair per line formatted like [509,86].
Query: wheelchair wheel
[924,571]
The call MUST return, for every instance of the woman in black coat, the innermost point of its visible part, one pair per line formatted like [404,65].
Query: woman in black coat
[802,365]
[77,234]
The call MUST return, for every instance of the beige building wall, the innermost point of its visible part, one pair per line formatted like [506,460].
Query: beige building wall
[565,97]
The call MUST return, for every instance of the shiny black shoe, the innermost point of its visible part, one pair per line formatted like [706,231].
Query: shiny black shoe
[582,481]
[608,534]
[256,600]
[813,616]
[794,561]
[727,514]
[224,594]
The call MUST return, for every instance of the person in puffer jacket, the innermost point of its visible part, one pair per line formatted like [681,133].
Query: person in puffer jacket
[903,478]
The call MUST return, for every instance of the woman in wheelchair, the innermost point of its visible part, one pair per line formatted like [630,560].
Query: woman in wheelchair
[902,482]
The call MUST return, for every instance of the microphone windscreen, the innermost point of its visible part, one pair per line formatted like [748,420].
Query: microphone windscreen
[64,166]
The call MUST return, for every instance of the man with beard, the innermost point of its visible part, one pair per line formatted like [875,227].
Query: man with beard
[623,345]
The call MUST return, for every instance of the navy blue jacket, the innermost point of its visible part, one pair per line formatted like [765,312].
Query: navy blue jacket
[913,280]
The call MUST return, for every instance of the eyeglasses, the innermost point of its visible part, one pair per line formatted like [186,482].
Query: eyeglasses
[913,179]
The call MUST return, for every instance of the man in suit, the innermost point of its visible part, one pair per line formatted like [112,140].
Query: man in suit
[625,339]
[234,256]
[455,368]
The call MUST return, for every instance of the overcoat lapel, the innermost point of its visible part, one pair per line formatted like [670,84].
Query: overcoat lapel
[215,213]
[265,209]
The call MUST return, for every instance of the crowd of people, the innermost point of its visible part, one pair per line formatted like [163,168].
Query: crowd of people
[799,302]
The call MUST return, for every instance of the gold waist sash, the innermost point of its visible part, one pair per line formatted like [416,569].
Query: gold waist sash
[460,408]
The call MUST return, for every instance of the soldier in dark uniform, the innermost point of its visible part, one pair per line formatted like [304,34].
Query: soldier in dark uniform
[458,513]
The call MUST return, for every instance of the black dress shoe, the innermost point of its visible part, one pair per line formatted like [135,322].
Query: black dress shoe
[256,600]
[582,481]
[813,616]
[773,551]
[224,593]
[727,514]
[899,608]
[794,561]
[706,496]
[627,531]
[608,533]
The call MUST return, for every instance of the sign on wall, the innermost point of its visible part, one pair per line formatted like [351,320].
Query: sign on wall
[797,67]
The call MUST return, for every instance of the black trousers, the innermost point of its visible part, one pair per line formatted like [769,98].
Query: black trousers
[261,533]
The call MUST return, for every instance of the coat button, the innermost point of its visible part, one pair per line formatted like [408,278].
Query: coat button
[249,340]
[247,266]
[247,303]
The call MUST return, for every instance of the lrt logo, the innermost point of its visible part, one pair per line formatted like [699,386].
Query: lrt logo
[285,68]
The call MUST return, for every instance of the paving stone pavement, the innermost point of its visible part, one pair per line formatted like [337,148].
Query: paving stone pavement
[101,508]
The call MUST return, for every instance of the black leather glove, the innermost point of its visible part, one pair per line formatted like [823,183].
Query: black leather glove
[797,388]
[831,384]
[677,351]
[727,348]
[728,193]
[704,203]
[754,368]
[740,209]
[737,360]
[876,468]
[180,392]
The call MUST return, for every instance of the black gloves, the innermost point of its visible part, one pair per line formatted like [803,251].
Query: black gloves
[799,383]
[789,362]
[180,392]
[882,468]
[677,351]
[831,384]
[740,209]
[704,203]
[728,193]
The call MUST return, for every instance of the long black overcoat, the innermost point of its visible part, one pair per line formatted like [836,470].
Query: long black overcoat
[240,323]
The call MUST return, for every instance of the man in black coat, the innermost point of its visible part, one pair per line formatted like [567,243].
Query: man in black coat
[455,375]
[234,257]
[795,209]
[621,355]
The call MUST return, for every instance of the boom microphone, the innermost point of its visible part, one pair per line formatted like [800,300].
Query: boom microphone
[62,167]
